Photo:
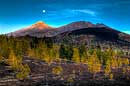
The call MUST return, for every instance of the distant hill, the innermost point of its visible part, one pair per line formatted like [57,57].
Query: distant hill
[97,32]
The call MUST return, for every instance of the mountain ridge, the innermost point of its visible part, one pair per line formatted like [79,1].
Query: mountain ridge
[41,29]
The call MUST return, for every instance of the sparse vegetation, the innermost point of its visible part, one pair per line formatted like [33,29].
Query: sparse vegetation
[57,70]
[13,51]
[76,56]
[94,64]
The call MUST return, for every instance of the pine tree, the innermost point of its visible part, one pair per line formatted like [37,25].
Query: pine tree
[12,60]
[66,52]
[94,64]
[111,56]
[76,56]
[82,50]
[56,52]
[111,76]
[23,72]
[1,58]
[125,61]
[108,68]
[84,57]
[114,61]
[119,61]
[31,52]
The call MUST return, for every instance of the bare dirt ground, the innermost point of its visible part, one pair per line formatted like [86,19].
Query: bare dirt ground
[41,75]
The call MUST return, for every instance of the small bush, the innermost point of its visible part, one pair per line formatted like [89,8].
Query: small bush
[57,70]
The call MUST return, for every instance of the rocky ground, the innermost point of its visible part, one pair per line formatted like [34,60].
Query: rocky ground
[41,75]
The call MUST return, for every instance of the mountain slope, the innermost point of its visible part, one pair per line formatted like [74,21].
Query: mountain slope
[35,30]
[40,29]
[92,35]
[75,25]
[92,32]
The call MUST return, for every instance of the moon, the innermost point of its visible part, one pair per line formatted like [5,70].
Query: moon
[43,11]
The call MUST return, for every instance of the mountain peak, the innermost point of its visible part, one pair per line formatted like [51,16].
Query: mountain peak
[40,25]
[101,25]
[40,22]
[75,25]
[82,24]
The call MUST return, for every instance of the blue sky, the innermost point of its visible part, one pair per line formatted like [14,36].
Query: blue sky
[17,14]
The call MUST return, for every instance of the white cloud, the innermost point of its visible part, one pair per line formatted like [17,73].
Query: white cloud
[69,13]
[86,11]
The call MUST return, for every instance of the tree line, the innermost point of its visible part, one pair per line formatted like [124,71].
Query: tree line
[12,51]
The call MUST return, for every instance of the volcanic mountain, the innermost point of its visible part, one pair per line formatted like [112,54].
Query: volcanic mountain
[38,29]
[75,25]
[101,31]
[85,32]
